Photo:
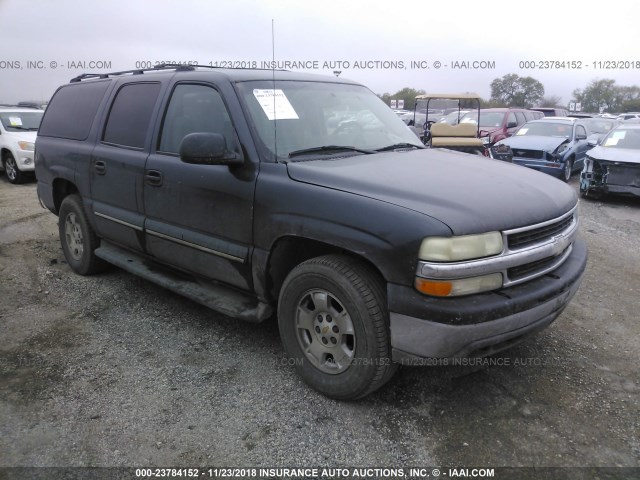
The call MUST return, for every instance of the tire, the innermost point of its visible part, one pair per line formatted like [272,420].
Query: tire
[333,321]
[78,239]
[12,171]
[568,168]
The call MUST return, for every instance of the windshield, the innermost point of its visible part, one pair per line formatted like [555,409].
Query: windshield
[307,115]
[21,121]
[600,125]
[546,129]
[623,138]
[487,119]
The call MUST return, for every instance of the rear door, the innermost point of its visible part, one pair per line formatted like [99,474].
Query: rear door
[117,166]
[199,217]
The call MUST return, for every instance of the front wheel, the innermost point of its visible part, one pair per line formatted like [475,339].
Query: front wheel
[78,239]
[333,321]
[14,174]
[568,168]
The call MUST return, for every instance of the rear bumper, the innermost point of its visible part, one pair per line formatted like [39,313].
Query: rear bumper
[480,325]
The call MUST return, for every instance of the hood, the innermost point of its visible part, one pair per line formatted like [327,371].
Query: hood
[611,154]
[469,193]
[534,142]
[22,136]
[486,131]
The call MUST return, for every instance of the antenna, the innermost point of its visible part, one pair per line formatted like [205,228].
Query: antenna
[273,79]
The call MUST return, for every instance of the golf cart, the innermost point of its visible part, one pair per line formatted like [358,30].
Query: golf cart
[462,137]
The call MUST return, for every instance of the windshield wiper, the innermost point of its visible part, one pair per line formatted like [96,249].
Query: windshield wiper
[397,146]
[329,149]
[19,127]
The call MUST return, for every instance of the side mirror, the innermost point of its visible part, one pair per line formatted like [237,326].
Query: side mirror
[592,140]
[512,124]
[207,149]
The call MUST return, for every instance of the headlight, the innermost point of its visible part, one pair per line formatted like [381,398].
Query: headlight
[486,139]
[561,149]
[28,146]
[466,247]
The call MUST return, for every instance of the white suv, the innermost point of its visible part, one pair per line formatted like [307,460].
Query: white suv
[18,130]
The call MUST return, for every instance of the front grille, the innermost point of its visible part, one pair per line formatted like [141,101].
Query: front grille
[533,154]
[537,235]
[522,271]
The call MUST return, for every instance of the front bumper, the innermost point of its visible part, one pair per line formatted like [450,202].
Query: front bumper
[24,160]
[479,325]
[617,179]
[555,169]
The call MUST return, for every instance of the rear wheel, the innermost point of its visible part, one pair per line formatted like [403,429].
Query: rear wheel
[78,239]
[333,321]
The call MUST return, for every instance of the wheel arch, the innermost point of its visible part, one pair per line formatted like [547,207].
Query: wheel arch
[289,251]
[62,188]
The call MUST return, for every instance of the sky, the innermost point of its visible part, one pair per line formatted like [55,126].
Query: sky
[454,46]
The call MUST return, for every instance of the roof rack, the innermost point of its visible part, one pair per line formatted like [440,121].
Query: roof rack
[178,67]
[162,66]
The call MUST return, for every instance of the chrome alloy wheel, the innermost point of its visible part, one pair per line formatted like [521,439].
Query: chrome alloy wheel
[73,236]
[325,332]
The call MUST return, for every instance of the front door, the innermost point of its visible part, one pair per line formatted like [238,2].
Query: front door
[199,217]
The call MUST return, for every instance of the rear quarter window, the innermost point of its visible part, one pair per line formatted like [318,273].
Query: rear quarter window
[72,109]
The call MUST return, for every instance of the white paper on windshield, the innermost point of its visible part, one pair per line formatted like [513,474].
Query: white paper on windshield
[522,131]
[275,104]
[15,121]
[612,141]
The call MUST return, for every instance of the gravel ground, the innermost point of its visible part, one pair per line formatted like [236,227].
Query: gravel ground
[111,370]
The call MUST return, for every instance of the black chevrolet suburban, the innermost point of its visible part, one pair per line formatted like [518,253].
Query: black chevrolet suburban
[259,192]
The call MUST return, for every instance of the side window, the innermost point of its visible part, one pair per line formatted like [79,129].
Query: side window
[130,114]
[194,108]
[511,118]
[580,130]
[521,118]
[72,109]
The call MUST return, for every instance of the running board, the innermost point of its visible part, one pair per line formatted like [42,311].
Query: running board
[225,300]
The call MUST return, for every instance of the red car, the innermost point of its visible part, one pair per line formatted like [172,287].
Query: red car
[499,123]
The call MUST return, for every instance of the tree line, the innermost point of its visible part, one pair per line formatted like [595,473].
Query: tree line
[512,90]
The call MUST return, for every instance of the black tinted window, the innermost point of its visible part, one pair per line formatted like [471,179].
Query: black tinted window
[130,114]
[72,109]
[194,108]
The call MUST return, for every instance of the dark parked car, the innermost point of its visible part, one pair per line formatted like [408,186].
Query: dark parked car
[614,165]
[599,127]
[556,146]
[552,111]
[499,123]
[243,190]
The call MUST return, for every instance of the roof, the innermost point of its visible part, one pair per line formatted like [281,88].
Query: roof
[449,96]
[565,120]
[19,109]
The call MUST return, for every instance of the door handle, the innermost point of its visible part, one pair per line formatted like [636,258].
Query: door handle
[154,178]
[101,167]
